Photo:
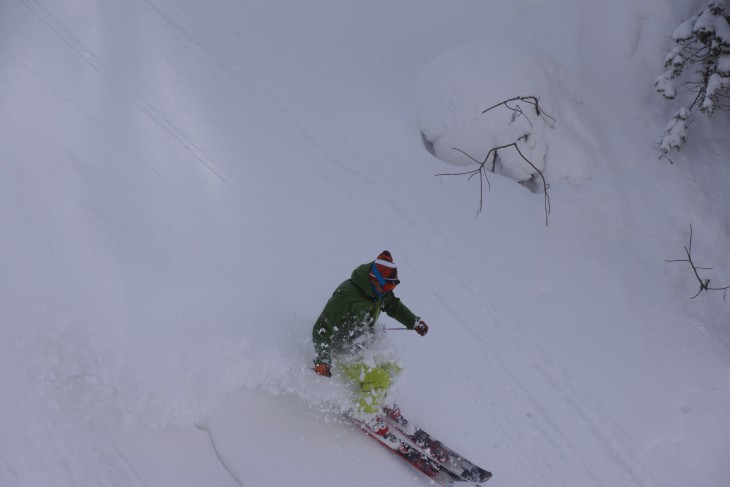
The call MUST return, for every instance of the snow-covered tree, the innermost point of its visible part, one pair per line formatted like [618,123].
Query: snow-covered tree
[702,41]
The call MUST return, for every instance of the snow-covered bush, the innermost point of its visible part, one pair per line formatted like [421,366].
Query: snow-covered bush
[702,41]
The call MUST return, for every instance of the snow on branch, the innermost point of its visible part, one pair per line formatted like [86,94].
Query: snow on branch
[493,153]
[702,41]
[675,133]
[704,283]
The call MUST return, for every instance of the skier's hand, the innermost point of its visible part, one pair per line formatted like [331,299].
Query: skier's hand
[323,369]
[421,328]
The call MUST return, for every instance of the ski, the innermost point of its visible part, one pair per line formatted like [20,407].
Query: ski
[396,442]
[436,450]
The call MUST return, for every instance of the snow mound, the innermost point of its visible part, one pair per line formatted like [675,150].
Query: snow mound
[454,90]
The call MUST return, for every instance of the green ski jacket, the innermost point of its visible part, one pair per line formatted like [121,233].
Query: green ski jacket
[348,319]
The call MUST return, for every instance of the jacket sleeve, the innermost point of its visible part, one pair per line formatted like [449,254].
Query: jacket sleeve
[399,311]
[322,339]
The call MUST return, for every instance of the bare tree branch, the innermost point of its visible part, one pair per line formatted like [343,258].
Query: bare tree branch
[482,172]
[482,169]
[704,283]
[532,100]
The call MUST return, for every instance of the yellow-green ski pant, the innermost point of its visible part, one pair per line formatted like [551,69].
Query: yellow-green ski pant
[371,383]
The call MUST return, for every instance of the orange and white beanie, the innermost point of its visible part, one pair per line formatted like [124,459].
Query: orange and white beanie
[383,268]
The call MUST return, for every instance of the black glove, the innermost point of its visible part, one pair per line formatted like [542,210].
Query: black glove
[421,327]
[323,369]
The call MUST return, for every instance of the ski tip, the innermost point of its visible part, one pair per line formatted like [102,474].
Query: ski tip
[477,477]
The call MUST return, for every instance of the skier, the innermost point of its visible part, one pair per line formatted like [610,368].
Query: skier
[346,328]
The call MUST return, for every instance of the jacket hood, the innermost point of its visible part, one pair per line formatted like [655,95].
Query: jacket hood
[361,279]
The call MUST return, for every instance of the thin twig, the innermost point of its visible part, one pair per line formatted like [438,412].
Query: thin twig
[532,100]
[704,283]
[482,170]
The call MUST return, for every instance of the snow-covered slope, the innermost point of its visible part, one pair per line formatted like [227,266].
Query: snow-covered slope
[183,185]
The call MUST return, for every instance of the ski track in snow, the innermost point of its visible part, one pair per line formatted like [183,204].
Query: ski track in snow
[564,454]
[184,139]
[291,113]
[154,114]
[213,445]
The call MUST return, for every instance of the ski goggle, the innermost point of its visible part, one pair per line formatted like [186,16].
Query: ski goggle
[386,285]
[389,285]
